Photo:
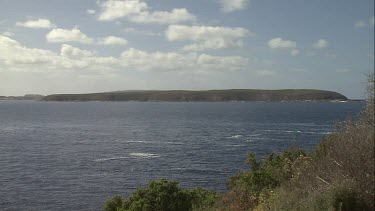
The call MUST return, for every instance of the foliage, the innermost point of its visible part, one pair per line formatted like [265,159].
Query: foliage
[339,174]
[208,95]
[162,195]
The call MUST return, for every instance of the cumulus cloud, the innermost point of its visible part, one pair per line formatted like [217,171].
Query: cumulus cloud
[321,43]
[172,61]
[38,23]
[138,11]
[68,35]
[12,52]
[8,34]
[73,52]
[141,32]
[20,58]
[233,5]
[207,37]
[227,63]
[279,43]
[112,40]
[17,57]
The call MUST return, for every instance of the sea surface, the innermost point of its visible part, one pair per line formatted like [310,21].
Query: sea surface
[75,155]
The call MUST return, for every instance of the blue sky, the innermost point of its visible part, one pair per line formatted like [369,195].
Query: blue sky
[92,46]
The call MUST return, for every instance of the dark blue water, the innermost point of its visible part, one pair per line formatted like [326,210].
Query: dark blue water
[74,156]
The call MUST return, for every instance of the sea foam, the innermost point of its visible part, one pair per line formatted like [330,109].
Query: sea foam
[144,155]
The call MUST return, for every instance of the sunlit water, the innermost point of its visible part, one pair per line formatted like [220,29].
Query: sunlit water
[75,155]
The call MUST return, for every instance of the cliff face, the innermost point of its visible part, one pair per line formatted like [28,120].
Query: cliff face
[205,96]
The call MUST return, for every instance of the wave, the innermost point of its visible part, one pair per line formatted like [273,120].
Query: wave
[108,159]
[254,135]
[235,136]
[131,141]
[144,155]
[173,143]
[291,131]
[299,131]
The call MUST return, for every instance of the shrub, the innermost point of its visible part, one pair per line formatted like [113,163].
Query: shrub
[162,195]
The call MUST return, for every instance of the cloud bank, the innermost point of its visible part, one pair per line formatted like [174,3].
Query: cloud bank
[207,37]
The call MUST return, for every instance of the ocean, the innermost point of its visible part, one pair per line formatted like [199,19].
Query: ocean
[75,155]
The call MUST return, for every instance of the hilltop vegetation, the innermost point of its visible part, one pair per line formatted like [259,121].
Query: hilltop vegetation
[337,175]
[211,95]
[25,97]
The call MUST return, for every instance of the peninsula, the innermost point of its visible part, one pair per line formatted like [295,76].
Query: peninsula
[205,96]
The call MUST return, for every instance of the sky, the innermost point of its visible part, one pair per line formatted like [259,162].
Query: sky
[85,46]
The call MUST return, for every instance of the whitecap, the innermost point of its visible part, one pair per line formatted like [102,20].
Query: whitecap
[108,159]
[235,136]
[144,155]
[131,141]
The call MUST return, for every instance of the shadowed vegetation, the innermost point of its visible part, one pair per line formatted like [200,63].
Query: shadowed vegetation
[209,96]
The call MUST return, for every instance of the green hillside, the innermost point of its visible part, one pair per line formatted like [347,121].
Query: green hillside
[208,96]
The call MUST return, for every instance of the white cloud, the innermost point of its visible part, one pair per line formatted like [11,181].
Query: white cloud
[161,17]
[8,34]
[279,43]
[207,37]
[11,52]
[66,35]
[294,52]
[90,11]
[233,5]
[359,24]
[15,57]
[114,9]
[141,32]
[227,63]
[73,52]
[112,40]
[172,61]
[39,23]
[321,43]
[372,21]
[138,11]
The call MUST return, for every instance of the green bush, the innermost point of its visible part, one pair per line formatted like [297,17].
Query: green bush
[162,195]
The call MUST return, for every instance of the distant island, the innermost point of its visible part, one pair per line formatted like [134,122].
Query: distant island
[25,97]
[205,96]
